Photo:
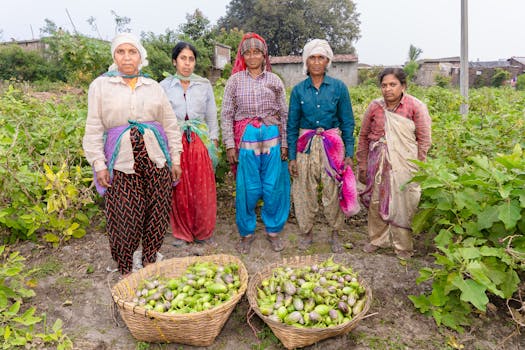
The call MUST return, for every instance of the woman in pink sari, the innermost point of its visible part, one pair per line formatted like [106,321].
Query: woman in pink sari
[395,130]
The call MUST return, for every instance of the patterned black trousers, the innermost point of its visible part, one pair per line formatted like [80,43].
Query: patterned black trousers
[137,208]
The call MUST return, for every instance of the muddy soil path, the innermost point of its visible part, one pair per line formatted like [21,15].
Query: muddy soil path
[73,285]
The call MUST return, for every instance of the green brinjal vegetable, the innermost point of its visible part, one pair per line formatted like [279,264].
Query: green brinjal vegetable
[202,286]
[321,295]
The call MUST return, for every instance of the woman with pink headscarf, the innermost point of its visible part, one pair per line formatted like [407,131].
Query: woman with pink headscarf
[253,122]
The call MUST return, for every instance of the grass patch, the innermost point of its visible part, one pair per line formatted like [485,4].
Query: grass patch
[48,268]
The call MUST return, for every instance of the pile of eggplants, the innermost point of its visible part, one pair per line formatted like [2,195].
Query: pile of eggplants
[321,295]
[202,286]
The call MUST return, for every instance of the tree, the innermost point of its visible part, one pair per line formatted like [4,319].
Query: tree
[121,23]
[159,52]
[288,25]
[500,77]
[50,28]
[412,66]
[414,53]
[196,26]
[92,21]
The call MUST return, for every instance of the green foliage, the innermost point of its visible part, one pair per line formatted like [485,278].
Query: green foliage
[196,26]
[473,201]
[411,69]
[478,213]
[197,32]
[21,65]
[81,59]
[412,66]
[500,77]
[287,26]
[442,81]
[44,183]
[369,76]
[414,53]
[19,326]
[520,82]
[232,38]
[159,53]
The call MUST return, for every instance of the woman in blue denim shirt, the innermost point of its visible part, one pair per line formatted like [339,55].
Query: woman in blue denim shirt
[320,109]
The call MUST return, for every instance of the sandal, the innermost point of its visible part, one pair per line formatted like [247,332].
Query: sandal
[210,241]
[404,254]
[178,242]
[245,243]
[370,248]
[276,242]
[305,242]
[335,245]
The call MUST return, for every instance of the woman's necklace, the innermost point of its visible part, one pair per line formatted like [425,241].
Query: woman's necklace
[392,109]
[185,84]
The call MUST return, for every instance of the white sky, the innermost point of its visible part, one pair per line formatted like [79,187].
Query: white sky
[496,28]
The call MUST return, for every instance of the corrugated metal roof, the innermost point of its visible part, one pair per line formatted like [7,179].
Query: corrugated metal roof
[519,59]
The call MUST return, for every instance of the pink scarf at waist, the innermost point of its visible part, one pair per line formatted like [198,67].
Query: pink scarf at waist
[334,165]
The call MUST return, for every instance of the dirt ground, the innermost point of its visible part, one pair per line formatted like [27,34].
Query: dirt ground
[73,285]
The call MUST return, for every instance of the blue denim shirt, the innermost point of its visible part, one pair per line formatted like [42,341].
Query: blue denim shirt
[327,107]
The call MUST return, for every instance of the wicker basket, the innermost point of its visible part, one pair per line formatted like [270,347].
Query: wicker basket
[294,337]
[198,329]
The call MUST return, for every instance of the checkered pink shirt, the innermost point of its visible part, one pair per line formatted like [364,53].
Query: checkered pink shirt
[246,97]
[373,126]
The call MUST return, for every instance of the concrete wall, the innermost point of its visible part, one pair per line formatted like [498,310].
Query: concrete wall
[292,73]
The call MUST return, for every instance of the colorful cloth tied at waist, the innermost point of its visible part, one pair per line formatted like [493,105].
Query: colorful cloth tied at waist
[239,126]
[200,128]
[334,152]
[113,137]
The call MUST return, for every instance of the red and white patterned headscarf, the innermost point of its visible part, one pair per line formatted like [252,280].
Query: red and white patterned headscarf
[249,41]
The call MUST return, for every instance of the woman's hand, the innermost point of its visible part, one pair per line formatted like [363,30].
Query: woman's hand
[362,176]
[176,172]
[349,162]
[103,178]
[231,155]
[284,153]
[292,168]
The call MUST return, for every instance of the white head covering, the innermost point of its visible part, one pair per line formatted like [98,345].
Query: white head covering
[317,47]
[128,38]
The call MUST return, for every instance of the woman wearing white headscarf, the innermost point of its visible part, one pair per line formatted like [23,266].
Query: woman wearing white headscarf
[133,143]
[321,146]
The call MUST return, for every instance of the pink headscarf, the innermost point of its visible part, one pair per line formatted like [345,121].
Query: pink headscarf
[239,64]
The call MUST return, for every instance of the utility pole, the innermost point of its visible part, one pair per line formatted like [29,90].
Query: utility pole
[463,70]
[72,24]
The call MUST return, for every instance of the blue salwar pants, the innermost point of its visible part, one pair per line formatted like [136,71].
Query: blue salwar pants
[261,174]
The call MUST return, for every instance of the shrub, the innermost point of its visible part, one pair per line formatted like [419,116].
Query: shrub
[18,64]
[520,82]
[442,81]
[499,77]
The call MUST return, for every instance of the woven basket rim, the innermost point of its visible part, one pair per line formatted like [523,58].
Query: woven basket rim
[129,306]
[311,334]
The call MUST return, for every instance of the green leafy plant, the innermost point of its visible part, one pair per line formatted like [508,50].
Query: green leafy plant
[19,325]
[500,76]
[44,182]
[477,211]
[520,82]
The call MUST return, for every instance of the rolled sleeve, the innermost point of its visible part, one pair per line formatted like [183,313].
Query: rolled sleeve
[228,114]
